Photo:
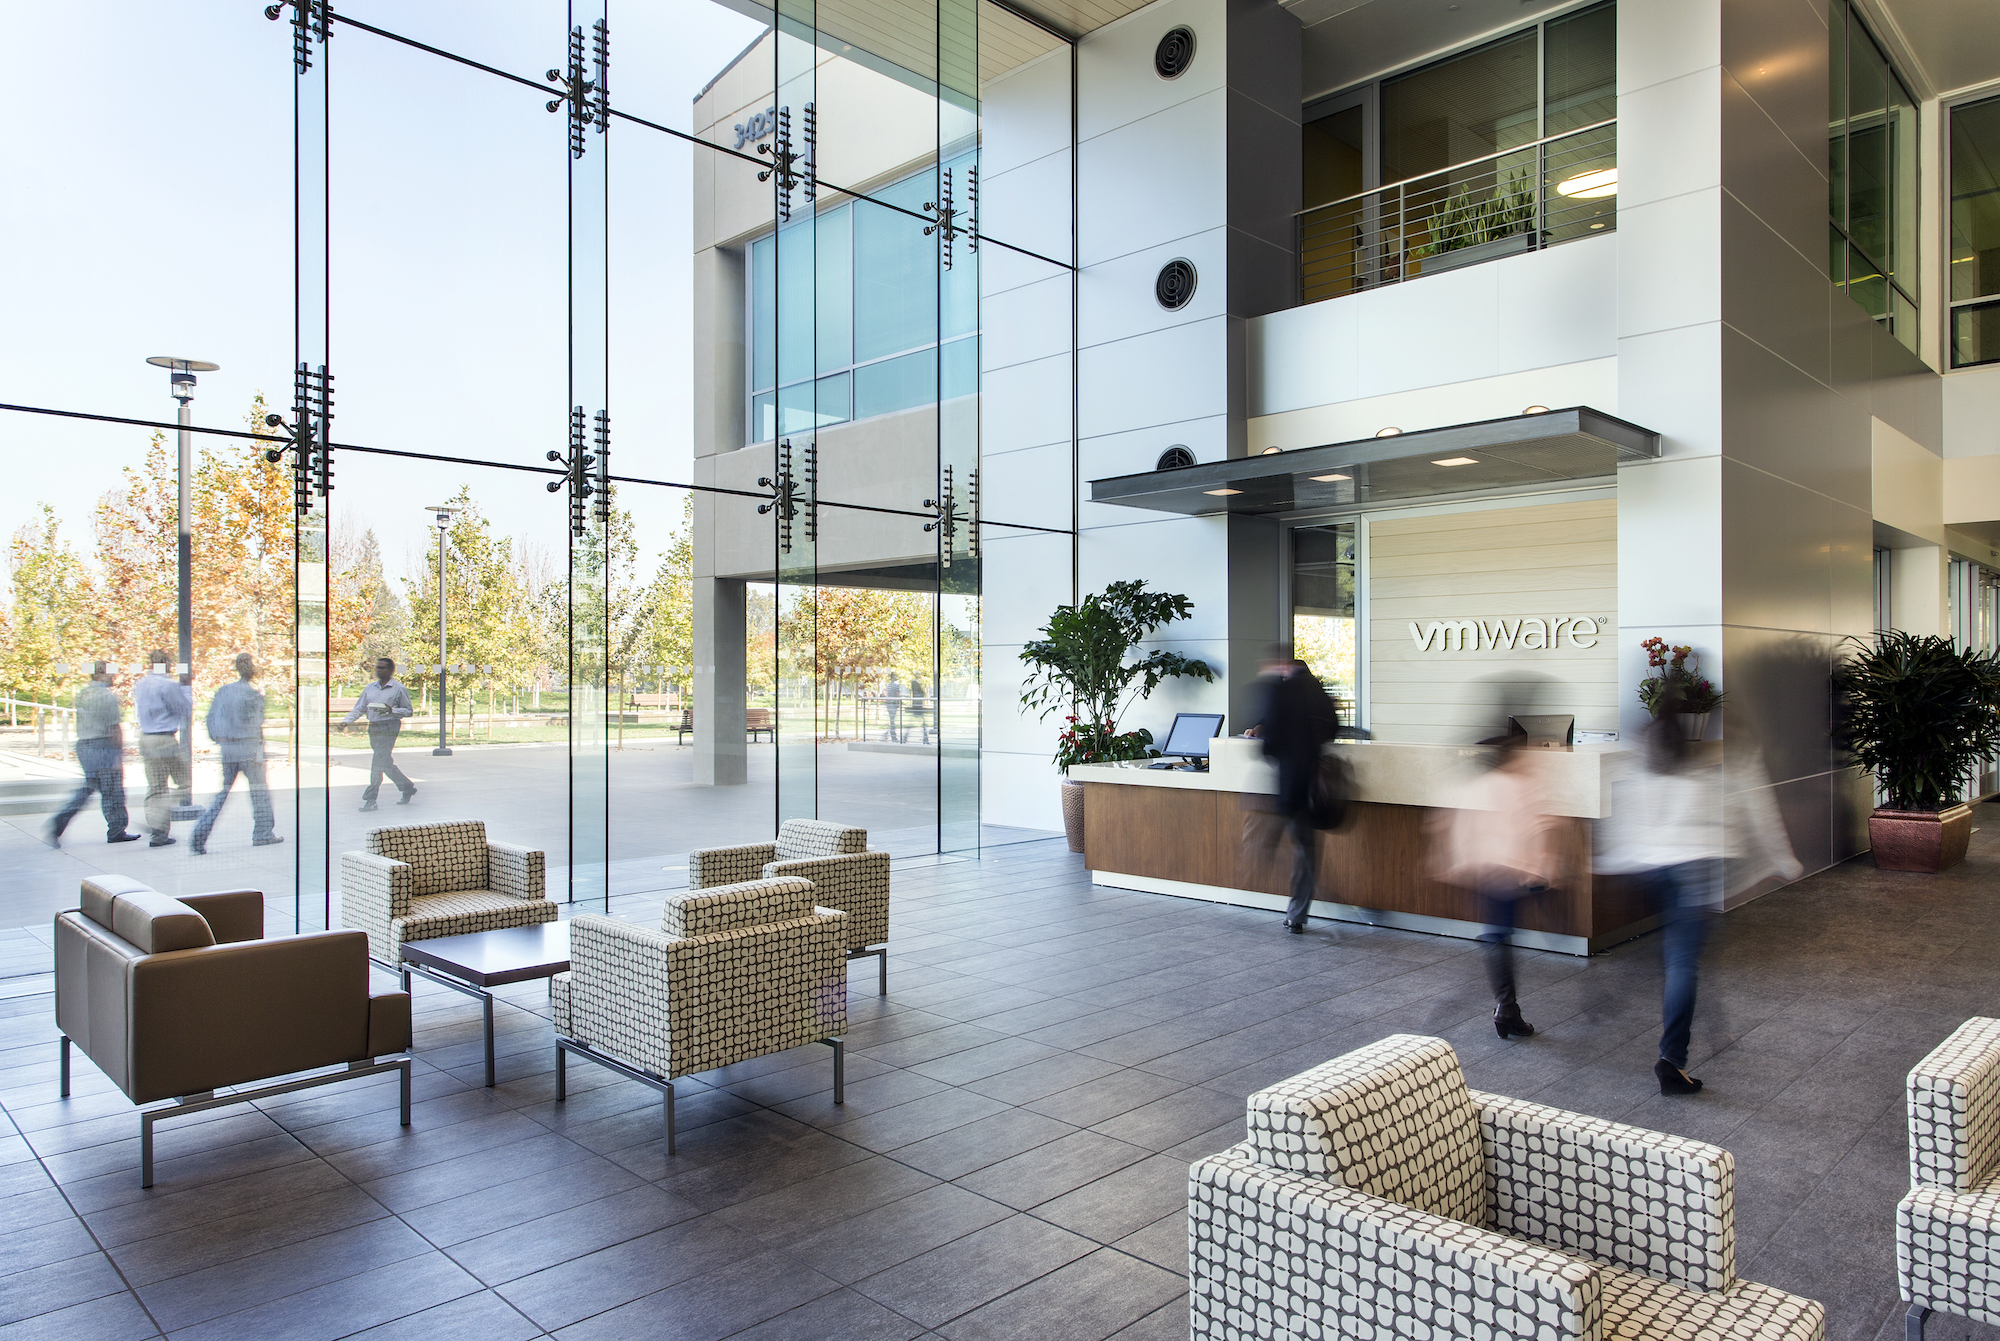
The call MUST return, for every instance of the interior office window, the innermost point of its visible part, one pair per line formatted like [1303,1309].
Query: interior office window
[1872,153]
[1974,285]
[1464,108]
[1580,70]
[890,330]
[1323,614]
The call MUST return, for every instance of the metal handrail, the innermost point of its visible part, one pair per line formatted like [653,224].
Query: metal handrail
[1453,167]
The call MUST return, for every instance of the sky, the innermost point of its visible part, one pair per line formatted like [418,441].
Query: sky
[148,210]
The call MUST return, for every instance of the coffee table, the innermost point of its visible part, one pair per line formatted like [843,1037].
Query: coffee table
[483,959]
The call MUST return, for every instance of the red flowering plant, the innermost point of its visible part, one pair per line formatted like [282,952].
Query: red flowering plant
[1673,675]
[1100,743]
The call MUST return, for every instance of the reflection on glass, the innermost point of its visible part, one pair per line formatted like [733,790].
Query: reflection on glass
[1975,216]
[1872,156]
[1975,335]
[1323,615]
[1460,109]
[1580,78]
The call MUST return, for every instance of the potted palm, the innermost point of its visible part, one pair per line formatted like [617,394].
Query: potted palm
[1921,715]
[1080,663]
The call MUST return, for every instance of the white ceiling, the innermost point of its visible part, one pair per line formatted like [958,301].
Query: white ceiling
[1946,45]
[1348,42]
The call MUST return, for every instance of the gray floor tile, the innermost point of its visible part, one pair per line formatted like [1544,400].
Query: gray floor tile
[116,1317]
[1088,1300]
[812,1204]
[343,1307]
[1123,1202]
[935,1287]
[603,1280]
[59,1285]
[879,1239]
[975,1145]
[550,1240]
[475,1317]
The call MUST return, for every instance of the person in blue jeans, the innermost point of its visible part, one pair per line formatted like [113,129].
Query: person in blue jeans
[236,725]
[100,751]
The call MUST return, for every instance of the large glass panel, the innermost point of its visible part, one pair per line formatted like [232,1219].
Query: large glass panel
[316,601]
[1975,335]
[1580,69]
[1903,246]
[1461,109]
[895,270]
[1868,143]
[1837,116]
[955,671]
[1324,568]
[1975,200]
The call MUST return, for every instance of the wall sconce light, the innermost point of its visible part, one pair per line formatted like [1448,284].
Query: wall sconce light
[1387,432]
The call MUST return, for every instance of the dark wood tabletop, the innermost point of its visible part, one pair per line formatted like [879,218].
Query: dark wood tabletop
[491,958]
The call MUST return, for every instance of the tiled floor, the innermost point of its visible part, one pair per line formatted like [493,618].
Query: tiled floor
[1011,1158]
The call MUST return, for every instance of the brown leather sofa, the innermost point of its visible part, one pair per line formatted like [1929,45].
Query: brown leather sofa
[178,998]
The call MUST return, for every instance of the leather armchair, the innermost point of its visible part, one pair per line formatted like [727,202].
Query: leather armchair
[846,875]
[177,998]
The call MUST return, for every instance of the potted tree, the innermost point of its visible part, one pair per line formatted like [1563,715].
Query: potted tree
[1080,663]
[1921,715]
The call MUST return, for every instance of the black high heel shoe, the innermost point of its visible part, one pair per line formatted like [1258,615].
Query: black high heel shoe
[1673,1080]
[1507,1023]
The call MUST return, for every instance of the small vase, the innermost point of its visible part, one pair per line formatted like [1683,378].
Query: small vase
[1072,808]
[1694,725]
[1920,840]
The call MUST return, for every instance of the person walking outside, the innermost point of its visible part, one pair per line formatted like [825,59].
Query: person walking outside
[1497,840]
[1297,721]
[100,751]
[385,703]
[236,725]
[895,701]
[165,708]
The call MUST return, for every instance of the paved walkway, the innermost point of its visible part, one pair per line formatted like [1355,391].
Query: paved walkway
[1011,1159]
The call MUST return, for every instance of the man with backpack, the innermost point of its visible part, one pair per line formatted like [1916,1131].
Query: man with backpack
[1297,721]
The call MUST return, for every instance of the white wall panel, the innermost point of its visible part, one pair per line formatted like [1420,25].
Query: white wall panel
[1673,275]
[1669,133]
[1162,378]
[1029,207]
[1030,486]
[1117,299]
[1593,382]
[1024,114]
[1126,197]
[1972,412]
[1026,405]
[1116,83]
[1177,554]
[1025,324]
[1019,790]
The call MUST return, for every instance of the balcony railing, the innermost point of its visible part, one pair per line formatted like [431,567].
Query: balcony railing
[1520,199]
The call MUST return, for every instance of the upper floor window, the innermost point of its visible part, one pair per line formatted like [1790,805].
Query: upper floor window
[1872,154]
[851,315]
[1974,285]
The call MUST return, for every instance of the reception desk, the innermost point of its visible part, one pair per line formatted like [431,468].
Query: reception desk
[1212,836]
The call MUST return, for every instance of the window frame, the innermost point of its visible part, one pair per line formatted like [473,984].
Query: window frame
[1842,243]
[1953,306]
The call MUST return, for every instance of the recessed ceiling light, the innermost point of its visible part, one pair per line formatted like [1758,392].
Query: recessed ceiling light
[1269,450]
[1221,493]
[1387,432]
[1457,461]
[1329,479]
[1536,409]
[1590,185]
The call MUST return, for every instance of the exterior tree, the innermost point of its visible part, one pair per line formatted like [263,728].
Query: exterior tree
[50,611]
[489,618]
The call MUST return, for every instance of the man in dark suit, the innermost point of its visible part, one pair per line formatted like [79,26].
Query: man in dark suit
[1297,721]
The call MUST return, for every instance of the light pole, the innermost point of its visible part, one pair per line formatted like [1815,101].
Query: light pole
[180,383]
[441,516]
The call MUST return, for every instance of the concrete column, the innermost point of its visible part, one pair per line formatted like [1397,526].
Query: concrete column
[1917,583]
[721,756]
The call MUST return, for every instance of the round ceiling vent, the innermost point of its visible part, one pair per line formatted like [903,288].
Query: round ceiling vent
[1175,457]
[1174,54]
[1175,286]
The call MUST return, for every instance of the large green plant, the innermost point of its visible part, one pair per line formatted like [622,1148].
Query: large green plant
[1472,214]
[1079,663]
[1920,714]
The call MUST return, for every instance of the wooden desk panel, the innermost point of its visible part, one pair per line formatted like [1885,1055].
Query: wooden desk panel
[1377,860]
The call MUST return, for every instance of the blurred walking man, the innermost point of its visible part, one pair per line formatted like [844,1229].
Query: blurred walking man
[100,749]
[165,707]
[385,704]
[236,725]
[1297,722]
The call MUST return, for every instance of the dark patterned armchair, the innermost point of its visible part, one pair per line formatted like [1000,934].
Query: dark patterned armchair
[417,882]
[1377,1196]
[835,857]
[1948,1226]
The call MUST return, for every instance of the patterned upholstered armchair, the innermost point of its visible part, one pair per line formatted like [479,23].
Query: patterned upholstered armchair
[835,857]
[1948,1226]
[1377,1196]
[733,973]
[421,881]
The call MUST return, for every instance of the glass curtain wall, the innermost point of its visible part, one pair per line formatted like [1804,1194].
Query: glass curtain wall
[612,653]
[1872,154]
[1974,283]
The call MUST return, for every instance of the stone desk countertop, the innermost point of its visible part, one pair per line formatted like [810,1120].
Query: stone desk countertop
[1576,780]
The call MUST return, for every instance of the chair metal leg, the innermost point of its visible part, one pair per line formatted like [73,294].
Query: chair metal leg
[488,1002]
[667,1102]
[562,1074]
[404,1069]
[146,1149]
[63,1084]
[1913,1323]
[882,965]
[839,1046]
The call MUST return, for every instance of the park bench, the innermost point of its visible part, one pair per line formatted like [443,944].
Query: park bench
[755,720]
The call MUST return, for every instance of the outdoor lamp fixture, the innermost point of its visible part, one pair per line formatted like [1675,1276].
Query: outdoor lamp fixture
[1387,432]
[180,385]
[1329,479]
[441,515]
[1457,461]
[1590,185]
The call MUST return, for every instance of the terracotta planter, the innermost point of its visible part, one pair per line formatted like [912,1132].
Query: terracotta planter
[1694,725]
[1072,803]
[1920,840]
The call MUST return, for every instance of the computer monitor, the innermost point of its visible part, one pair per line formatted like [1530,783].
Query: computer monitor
[1189,736]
